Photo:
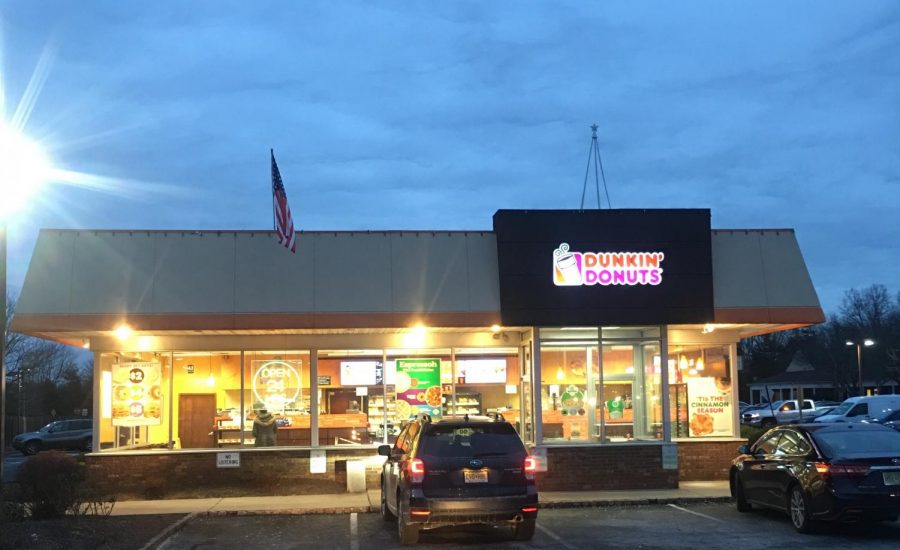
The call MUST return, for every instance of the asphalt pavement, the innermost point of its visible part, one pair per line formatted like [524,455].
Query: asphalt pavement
[12,463]
[689,526]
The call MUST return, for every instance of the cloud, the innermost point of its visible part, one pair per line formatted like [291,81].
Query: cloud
[433,116]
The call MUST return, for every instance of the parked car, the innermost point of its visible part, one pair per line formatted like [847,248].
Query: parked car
[61,434]
[818,472]
[863,409]
[457,471]
[781,412]
[892,421]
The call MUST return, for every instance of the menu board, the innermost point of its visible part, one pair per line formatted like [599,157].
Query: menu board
[482,371]
[136,394]
[418,386]
[276,384]
[709,402]
[359,373]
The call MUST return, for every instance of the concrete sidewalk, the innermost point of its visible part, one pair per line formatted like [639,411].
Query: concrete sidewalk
[343,503]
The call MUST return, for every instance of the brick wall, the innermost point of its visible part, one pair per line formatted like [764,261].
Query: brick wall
[194,474]
[605,468]
[706,460]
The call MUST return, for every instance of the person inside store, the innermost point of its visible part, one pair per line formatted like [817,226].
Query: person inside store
[353,407]
[264,429]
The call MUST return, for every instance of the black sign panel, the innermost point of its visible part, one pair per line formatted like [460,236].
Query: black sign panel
[604,267]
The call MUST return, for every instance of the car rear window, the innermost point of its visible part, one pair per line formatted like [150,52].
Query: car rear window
[471,440]
[859,441]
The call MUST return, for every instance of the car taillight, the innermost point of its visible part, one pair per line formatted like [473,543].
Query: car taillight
[530,467]
[841,470]
[416,470]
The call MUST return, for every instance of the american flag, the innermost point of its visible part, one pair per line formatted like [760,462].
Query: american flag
[284,222]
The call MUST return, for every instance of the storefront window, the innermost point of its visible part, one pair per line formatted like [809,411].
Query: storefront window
[586,397]
[569,382]
[701,393]
[206,397]
[134,404]
[351,397]
[632,385]
[276,407]
[486,381]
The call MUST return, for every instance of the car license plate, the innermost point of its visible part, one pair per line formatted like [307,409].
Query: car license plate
[891,478]
[476,476]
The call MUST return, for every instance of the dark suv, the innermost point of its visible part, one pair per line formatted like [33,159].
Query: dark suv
[457,471]
[62,434]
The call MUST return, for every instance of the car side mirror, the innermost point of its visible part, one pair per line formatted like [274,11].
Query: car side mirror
[384,450]
[744,449]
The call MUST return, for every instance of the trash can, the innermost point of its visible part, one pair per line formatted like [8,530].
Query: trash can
[356,476]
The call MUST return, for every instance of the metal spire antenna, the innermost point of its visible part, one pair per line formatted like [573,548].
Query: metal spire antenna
[594,155]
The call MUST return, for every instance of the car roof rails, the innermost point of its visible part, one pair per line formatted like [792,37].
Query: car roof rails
[496,416]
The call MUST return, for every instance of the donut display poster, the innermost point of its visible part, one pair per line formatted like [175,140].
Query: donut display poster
[418,384]
[710,411]
[136,394]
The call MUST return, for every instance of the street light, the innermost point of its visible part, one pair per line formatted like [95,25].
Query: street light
[23,168]
[868,342]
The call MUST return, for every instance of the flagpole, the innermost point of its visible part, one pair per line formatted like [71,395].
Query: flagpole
[274,219]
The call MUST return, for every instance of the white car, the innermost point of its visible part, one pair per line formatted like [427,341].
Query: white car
[869,408]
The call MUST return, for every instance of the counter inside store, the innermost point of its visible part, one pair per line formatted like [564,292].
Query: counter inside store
[294,429]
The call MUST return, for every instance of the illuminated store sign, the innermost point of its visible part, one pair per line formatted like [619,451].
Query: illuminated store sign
[276,384]
[606,268]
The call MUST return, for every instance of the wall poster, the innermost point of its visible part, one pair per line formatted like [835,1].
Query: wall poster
[418,386]
[136,394]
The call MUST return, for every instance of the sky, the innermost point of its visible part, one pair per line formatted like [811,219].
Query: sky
[426,115]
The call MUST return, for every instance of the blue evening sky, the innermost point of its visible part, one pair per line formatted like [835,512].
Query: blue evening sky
[432,115]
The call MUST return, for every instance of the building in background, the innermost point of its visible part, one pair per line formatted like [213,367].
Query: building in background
[607,337]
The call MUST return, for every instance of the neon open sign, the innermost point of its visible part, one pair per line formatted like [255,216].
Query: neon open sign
[606,268]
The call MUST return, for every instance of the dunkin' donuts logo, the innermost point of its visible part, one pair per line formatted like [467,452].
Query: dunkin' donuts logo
[606,268]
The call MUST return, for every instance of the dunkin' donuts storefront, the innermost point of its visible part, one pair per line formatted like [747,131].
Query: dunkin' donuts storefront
[607,337]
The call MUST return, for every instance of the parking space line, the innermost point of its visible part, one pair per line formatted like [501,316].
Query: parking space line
[696,513]
[354,532]
[554,536]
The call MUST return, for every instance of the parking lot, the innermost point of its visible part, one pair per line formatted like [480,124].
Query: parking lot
[663,526]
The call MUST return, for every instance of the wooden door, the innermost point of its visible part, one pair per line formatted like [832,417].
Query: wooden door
[196,420]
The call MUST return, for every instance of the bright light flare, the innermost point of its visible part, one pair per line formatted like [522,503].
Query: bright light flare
[123,332]
[24,168]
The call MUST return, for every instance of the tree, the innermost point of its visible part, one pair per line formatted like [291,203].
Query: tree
[44,376]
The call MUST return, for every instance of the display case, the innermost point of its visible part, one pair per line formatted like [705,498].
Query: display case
[466,403]
[376,417]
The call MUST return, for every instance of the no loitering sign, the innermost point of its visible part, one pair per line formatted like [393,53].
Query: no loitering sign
[228,460]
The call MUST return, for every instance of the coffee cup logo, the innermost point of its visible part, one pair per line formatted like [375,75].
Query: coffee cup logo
[566,266]
[606,268]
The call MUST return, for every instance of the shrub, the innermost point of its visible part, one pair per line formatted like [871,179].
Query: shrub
[52,484]
[752,433]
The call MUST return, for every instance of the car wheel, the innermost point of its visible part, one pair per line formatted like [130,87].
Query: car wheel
[408,533]
[524,530]
[798,506]
[86,445]
[31,448]
[740,498]
[768,423]
[386,514]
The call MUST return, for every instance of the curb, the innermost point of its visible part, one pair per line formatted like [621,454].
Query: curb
[632,502]
[290,512]
[167,533]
